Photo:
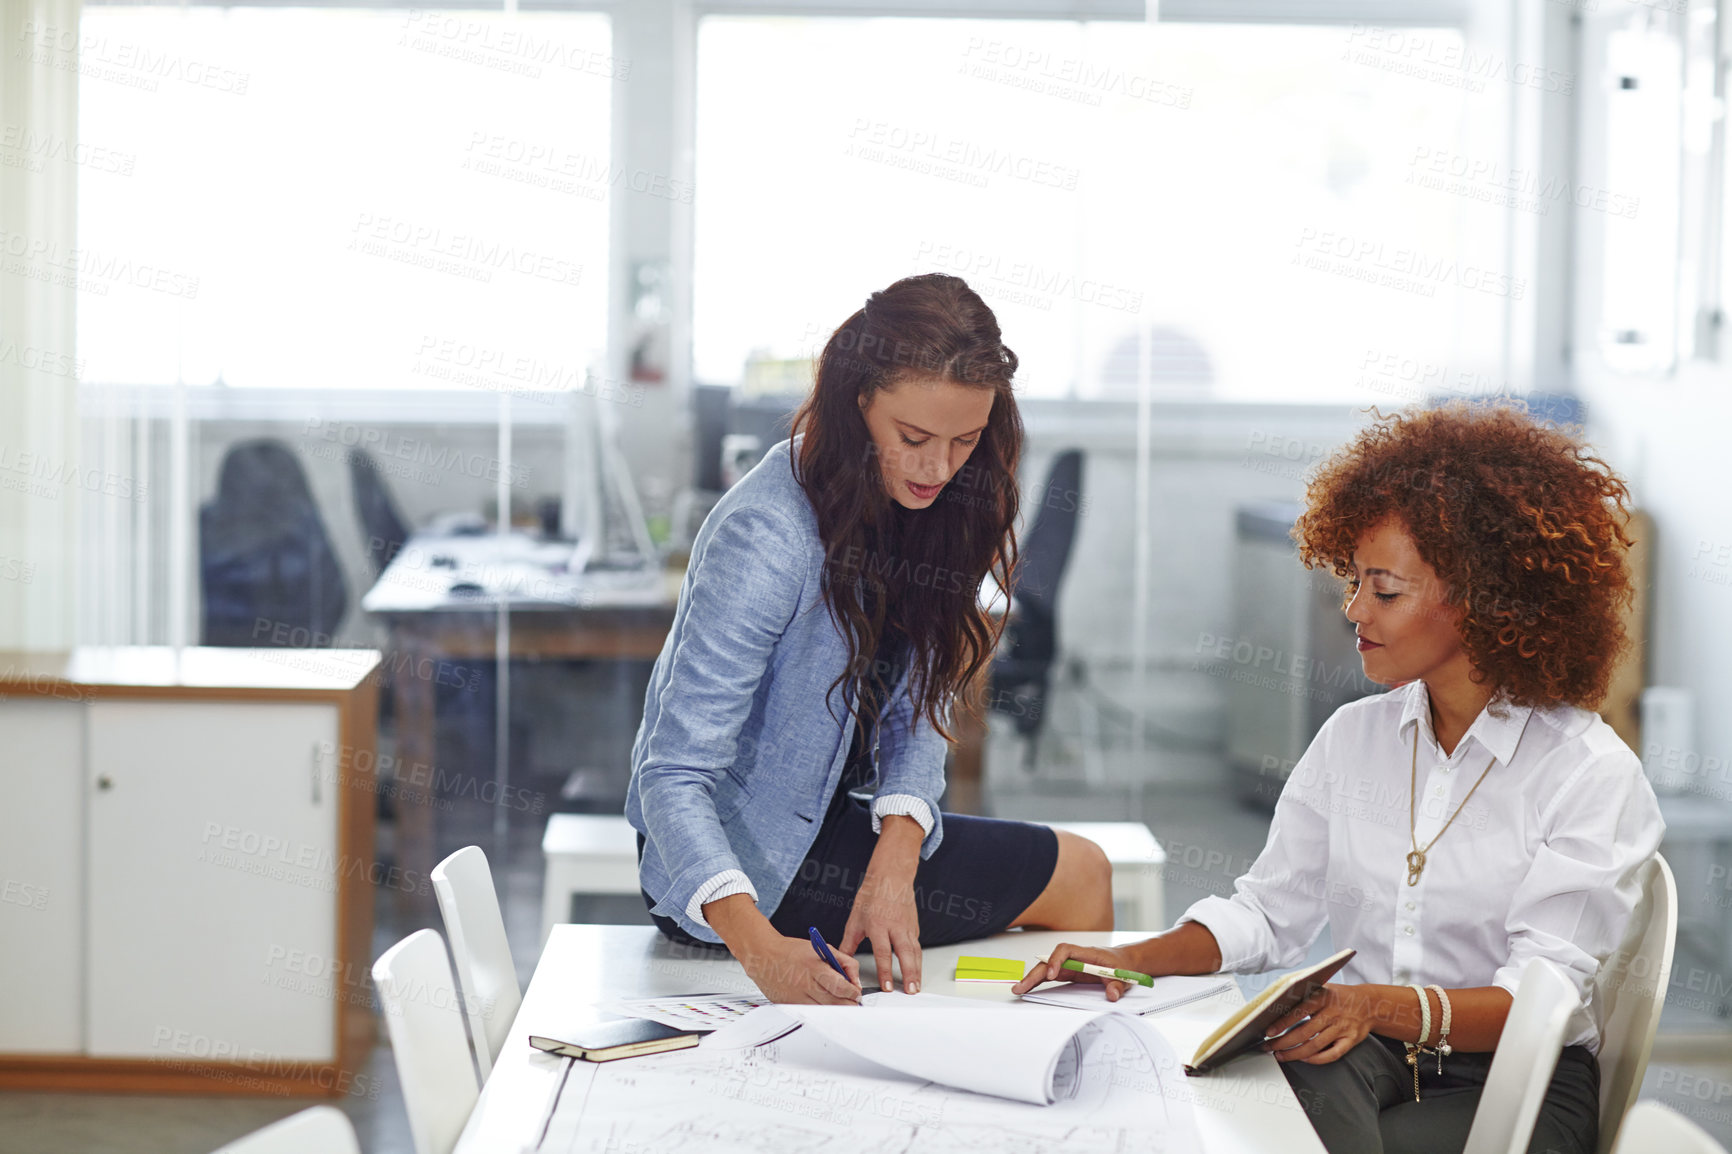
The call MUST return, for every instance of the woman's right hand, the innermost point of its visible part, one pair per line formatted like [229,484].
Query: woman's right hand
[790,970]
[785,969]
[1053,971]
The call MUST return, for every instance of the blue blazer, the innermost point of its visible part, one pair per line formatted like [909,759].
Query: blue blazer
[739,754]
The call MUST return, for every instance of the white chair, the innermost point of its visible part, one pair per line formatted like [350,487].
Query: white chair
[1632,985]
[427,1041]
[1650,1128]
[1139,869]
[476,930]
[1521,1069]
[320,1130]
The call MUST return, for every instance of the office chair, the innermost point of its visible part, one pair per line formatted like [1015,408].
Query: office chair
[380,520]
[384,532]
[419,1002]
[1022,673]
[1522,1067]
[475,927]
[268,574]
[1632,983]
[1650,1127]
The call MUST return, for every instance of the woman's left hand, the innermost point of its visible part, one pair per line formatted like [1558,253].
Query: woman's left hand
[1323,1027]
[884,912]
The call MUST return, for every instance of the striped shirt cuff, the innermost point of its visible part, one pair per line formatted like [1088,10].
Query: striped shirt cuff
[724,885]
[904,804]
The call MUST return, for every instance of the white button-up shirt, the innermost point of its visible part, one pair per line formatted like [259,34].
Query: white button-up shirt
[1541,862]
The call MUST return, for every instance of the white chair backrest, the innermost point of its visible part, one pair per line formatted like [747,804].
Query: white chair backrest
[1632,987]
[320,1130]
[1527,1054]
[476,928]
[432,1055]
[1650,1128]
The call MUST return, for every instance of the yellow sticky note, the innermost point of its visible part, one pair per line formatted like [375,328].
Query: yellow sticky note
[972,969]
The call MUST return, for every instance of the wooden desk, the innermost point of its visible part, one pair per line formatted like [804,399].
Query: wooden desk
[1246,1108]
[525,606]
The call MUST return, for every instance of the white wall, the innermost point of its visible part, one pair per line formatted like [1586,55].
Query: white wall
[1670,439]
[1665,435]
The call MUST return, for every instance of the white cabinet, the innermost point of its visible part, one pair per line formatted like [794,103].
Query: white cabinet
[186,869]
[41,871]
[213,859]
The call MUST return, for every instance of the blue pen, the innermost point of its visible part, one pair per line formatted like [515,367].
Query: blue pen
[824,952]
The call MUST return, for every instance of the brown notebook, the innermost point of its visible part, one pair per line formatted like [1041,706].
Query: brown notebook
[1249,1024]
[624,1039]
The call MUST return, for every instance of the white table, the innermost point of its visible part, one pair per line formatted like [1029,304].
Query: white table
[1245,1108]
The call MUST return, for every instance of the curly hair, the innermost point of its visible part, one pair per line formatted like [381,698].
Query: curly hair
[1524,525]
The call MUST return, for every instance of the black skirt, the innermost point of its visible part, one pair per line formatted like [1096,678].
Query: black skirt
[983,875]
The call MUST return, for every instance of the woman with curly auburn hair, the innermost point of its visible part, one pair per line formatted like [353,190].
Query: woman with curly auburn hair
[787,774]
[1474,817]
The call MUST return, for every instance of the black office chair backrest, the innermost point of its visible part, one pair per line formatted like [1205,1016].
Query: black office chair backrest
[380,520]
[1046,547]
[266,566]
[1023,666]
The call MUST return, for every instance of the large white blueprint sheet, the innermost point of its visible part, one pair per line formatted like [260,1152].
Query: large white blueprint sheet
[1007,1051]
[1117,1085]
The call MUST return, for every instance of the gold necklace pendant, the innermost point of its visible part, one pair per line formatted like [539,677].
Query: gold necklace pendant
[1416,859]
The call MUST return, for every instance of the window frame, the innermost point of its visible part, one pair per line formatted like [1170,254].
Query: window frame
[668,117]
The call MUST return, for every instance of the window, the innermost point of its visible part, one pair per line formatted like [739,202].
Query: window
[1294,213]
[343,198]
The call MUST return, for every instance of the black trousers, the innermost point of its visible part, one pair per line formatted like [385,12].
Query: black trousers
[1363,1103]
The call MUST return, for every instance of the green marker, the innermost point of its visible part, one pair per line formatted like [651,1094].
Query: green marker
[1104,972]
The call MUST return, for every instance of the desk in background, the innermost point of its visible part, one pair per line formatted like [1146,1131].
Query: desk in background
[448,599]
[1247,1107]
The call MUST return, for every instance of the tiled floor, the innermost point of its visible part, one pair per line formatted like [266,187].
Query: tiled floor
[1209,838]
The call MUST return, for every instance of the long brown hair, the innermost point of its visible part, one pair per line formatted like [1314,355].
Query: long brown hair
[914,572]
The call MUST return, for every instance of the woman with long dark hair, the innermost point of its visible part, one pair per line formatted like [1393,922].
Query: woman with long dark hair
[789,765]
